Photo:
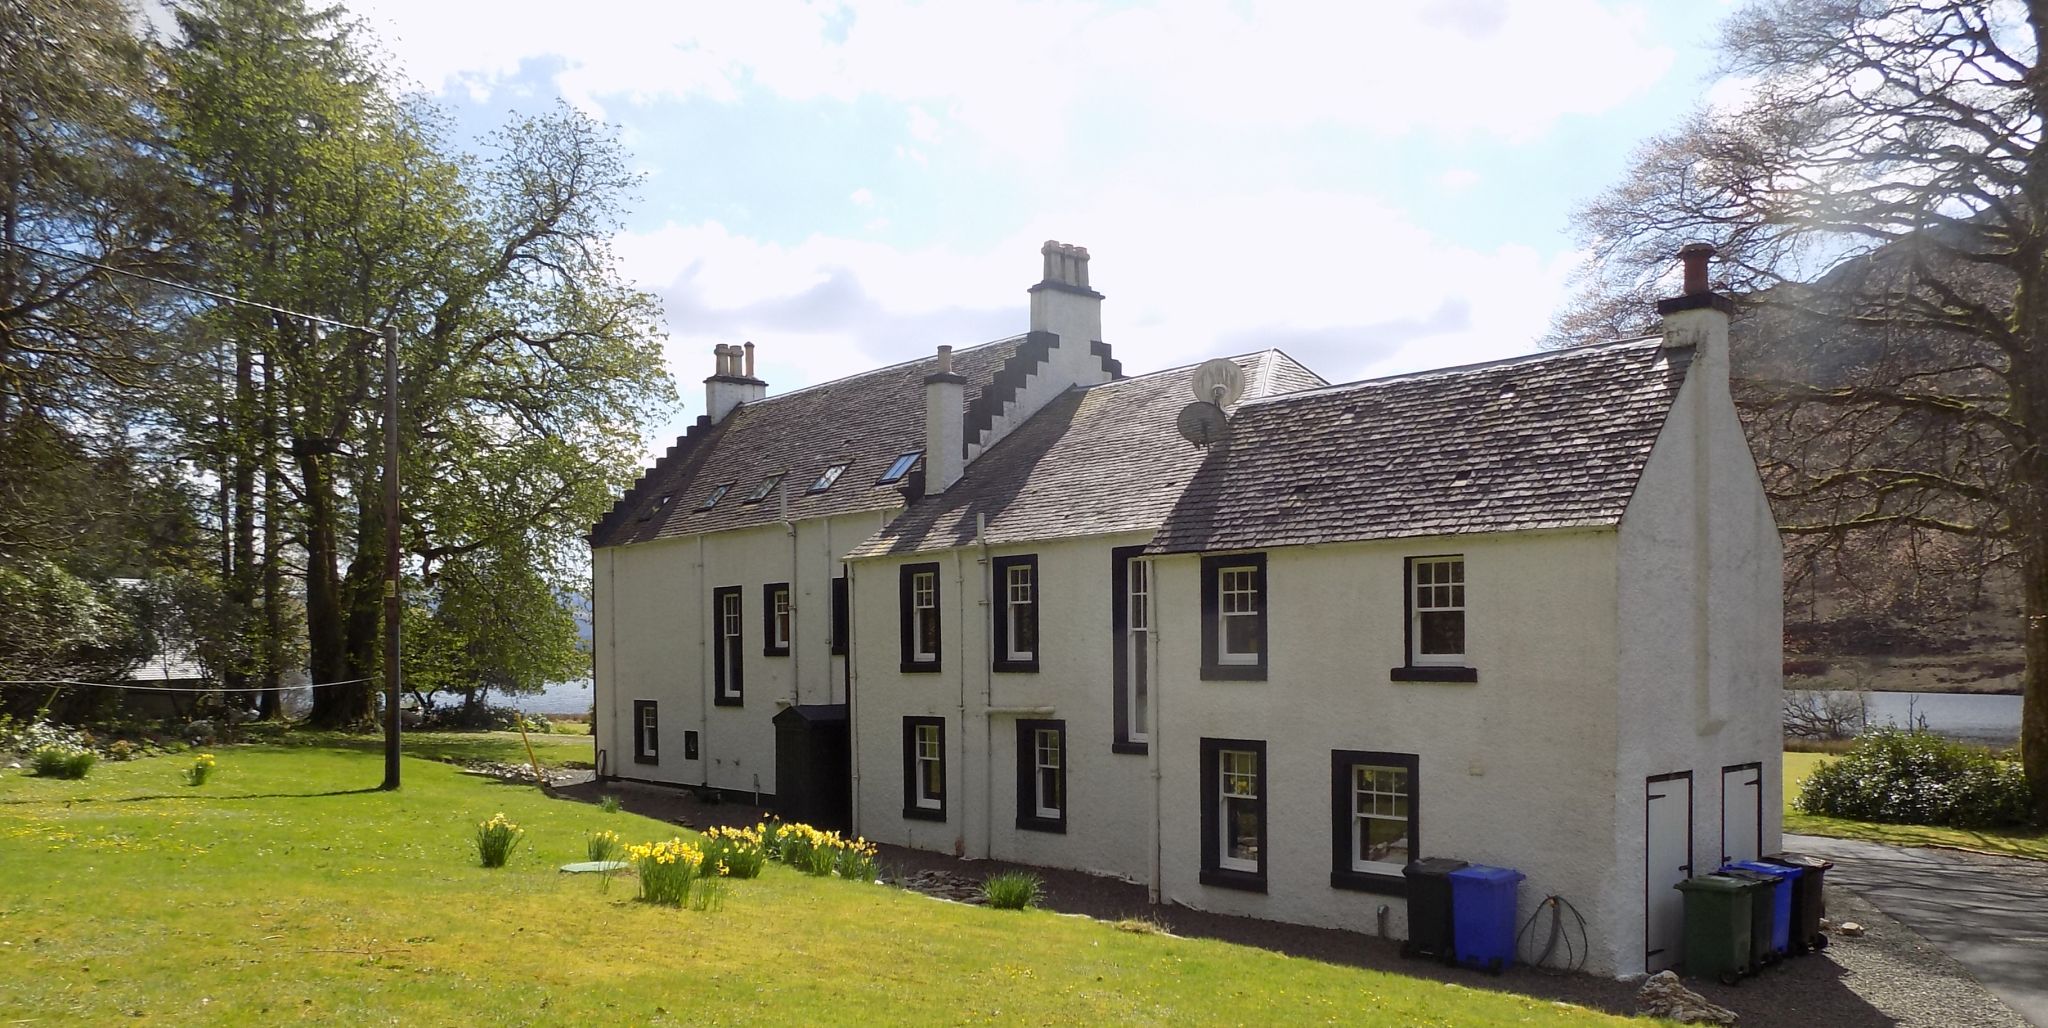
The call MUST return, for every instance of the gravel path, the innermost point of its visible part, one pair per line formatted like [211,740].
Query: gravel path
[1888,977]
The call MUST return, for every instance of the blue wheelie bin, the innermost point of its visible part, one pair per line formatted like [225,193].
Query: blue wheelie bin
[1781,900]
[1483,916]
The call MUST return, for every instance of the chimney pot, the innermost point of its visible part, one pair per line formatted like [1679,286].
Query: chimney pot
[945,360]
[750,358]
[1695,257]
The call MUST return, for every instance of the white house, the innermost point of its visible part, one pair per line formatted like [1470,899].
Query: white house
[1524,613]
[716,584]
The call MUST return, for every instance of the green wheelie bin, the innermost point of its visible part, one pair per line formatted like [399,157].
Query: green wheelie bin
[1718,911]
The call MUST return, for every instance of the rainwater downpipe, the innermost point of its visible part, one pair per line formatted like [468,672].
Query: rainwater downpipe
[1155,734]
[988,692]
[852,706]
[796,652]
[703,675]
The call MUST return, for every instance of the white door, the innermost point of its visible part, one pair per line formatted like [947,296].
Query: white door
[1742,812]
[1667,860]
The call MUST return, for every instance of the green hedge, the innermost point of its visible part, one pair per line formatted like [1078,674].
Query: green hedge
[1918,778]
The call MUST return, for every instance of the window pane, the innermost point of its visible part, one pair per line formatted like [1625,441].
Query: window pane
[1386,840]
[1141,684]
[1241,634]
[1024,629]
[1241,830]
[1443,632]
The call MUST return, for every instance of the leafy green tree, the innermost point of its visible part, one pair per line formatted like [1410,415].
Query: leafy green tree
[1881,199]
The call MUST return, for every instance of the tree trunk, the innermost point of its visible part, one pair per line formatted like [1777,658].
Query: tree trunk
[241,578]
[334,706]
[2034,701]
[270,702]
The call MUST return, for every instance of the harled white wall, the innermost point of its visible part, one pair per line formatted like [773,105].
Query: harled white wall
[1512,768]
[1108,794]
[653,634]
[1702,628]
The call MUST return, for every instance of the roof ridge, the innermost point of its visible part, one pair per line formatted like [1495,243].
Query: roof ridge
[886,367]
[1455,369]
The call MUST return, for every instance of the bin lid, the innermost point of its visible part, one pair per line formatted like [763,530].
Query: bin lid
[1432,866]
[1762,868]
[1801,860]
[1483,873]
[1715,883]
[1745,874]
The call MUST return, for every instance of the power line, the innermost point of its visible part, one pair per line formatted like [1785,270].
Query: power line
[214,294]
[177,688]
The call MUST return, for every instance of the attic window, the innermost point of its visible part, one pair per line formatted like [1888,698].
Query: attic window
[825,480]
[767,486]
[659,506]
[899,467]
[716,495]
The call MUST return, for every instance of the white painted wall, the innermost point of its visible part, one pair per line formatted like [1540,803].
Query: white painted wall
[1109,794]
[1511,771]
[653,637]
[1702,626]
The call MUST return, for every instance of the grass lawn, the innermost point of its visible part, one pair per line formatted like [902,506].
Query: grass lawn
[285,890]
[2014,842]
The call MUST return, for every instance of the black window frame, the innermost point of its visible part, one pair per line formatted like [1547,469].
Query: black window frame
[842,614]
[689,744]
[1120,646]
[1342,874]
[1213,872]
[641,754]
[768,647]
[828,478]
[907,613]
[1212,643]
[766,489]
[728,659]
[1000,614]
[1409,671]
[911,809]
[1028,817]
[891,479]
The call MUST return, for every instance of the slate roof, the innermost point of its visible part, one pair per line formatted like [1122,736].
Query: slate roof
[865,420]
[1095,461]
[1553,440]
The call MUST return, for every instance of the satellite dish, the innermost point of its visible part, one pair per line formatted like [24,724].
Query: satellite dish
[1203,423]
[1219,381]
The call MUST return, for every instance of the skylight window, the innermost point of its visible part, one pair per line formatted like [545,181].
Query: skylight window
[716,495]
[825,480]
[767,486]
[899,467]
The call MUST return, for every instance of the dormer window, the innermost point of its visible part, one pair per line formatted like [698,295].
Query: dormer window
[899,467]
[767,486]
[825,480]
[716,495]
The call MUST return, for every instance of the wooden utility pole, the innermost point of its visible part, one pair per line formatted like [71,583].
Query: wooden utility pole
[391,562]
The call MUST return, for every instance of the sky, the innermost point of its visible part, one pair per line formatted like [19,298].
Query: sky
[1374,188]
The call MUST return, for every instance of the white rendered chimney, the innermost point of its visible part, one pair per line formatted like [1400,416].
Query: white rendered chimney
[732,381]
[944,454]
[1064,304]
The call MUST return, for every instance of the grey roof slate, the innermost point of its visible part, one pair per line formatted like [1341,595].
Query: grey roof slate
[866,420]
[1552,440]
[1095,461]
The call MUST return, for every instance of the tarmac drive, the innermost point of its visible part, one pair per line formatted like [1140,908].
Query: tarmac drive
[1989,913]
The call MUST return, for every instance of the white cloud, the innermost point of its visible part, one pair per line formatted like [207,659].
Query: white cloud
[1014,72]
[862,197]
[1457,180]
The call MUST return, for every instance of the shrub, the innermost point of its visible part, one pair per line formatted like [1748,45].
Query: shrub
[1011,890]
[735,852]
[603,846]
[496,839]
[122,749]
[666,870]
[62,761]
[608,803]
[1913,777]
[201,769]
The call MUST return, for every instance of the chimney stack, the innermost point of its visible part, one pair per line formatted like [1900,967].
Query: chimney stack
[1064,304]
[945,455]
[1698,317]
[731,383]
